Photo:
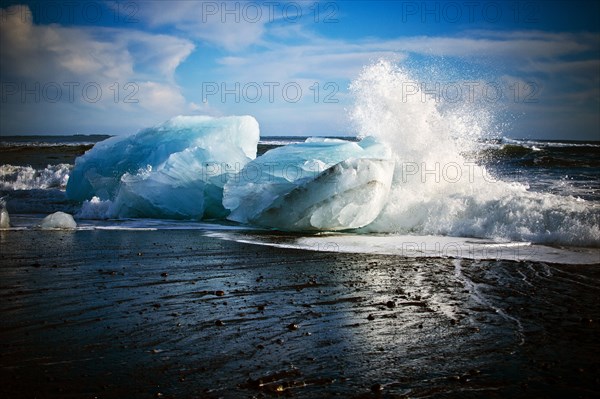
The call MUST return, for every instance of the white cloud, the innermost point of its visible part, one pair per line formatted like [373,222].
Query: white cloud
[157,54]
[557,71]
[270,49]
[102,74]
[53,52]
[231,25]
[342,59]
[498,45]
[158,96]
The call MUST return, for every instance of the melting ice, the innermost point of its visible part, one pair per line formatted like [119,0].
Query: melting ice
[4,216]
[202,167]
[321,184]
[58,220]
[174,170]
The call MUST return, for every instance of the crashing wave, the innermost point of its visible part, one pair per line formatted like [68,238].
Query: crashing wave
[27,178]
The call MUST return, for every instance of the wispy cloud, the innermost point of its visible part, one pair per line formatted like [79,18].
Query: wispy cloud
[49,70]
[558,70]
[260,43]
[230,25]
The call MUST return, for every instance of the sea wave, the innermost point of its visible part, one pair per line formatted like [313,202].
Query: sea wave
[549,143]
[438,191]
[27,178]
[51,141]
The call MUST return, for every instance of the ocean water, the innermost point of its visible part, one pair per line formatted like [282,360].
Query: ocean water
[460,189]
[35,171]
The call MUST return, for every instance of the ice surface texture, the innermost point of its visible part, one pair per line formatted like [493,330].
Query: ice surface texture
[194,167]
[174,170]
[58,220]
[4,217]
[321,184]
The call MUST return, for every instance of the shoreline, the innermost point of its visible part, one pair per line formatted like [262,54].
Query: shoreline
[176,313]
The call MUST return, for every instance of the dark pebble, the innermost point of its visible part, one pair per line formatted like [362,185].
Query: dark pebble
[371,317]
[292,327]
[376,388]
[219,323]
[390,304]
[165,274]
[219,293]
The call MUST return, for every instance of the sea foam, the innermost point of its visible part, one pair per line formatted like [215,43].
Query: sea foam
[437,190]
[27,178]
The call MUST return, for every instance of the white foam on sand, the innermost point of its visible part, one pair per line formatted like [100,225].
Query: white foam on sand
[409,246]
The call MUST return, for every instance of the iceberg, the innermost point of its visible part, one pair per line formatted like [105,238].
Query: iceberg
[200,167]
[58,220]
[174,170]
[4,216]
[321,184]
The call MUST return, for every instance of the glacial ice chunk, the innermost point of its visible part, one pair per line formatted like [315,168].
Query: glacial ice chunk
[58,220]
[4,216]
[348,195]
[321,184]
[174,170]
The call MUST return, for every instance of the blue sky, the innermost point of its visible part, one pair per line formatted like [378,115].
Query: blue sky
[115,67]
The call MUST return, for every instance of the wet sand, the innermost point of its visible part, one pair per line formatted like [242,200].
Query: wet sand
[176,314]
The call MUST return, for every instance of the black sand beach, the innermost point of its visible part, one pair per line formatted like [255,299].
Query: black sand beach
[177,314]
